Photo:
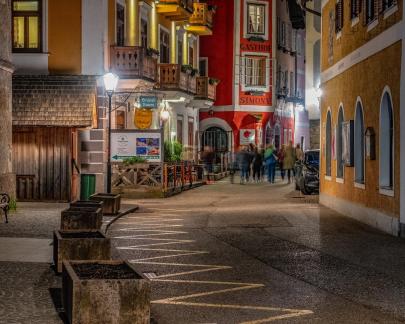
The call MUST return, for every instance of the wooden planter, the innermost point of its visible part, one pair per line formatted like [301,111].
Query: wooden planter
[92,295]
[87,203]
[111,202]
[81,218]
[80,245]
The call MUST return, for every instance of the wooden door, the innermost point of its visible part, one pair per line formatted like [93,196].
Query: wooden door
[42,163]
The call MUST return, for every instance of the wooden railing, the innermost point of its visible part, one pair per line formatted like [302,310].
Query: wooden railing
[172,78]
[181,176]
[132,62]
[205,90]
[201,15]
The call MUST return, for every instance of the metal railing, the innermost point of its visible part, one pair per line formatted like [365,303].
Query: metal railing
[181,176]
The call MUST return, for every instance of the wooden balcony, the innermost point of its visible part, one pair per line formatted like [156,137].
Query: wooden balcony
[201,20]
[176,10]
[131,62]
[206,90]
[172,78]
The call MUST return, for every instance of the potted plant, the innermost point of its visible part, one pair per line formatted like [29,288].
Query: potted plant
[194,72]
[137,162]
[80,245]
[152,52]
[173,151]
[96,292]
[213,81]
[89,217]
[186,68]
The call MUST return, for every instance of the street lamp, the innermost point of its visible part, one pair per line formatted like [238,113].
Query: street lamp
[110,84]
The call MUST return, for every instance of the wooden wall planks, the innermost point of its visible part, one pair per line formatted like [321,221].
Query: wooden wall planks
[42,162]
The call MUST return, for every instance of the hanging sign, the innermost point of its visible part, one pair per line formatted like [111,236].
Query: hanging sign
[143,118]
[148,102]
[247,136]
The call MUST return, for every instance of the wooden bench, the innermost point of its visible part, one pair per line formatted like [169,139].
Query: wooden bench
[4,204]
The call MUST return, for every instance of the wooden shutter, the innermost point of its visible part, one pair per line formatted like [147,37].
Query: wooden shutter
[364,5]
[339,16]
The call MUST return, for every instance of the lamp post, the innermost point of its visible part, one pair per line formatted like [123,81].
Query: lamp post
[110,84]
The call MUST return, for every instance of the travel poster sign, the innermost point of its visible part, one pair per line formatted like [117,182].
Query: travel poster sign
[129,144]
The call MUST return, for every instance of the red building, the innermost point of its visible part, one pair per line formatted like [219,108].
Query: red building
[241,54]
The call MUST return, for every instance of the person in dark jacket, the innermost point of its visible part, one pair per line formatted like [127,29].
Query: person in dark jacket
[245,158]
[257,165]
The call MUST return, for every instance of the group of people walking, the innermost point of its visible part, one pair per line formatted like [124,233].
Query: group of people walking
[255,163]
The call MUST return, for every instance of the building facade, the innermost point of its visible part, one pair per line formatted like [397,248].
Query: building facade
[250,107]
[313,70]
[7,178]
[244,64]
[362,134]
[62,49]
[290,121]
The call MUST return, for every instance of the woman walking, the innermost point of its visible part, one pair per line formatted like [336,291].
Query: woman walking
[270,159]
[289,160]
[257,165]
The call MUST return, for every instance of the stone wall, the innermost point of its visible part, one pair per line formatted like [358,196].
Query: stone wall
[7,179]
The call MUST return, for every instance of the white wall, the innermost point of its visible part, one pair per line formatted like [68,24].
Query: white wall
[94,36]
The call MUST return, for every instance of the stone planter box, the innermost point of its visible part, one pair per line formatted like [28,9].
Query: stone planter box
[87,204]
[81,218]
[80,245]
[101,292]
[111,202]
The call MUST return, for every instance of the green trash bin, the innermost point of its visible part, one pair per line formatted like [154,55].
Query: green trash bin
[87,186]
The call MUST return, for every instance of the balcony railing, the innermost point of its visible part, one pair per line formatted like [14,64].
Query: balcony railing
[205,89]
[201,15]
[175,9]
[132,62]
[172,78]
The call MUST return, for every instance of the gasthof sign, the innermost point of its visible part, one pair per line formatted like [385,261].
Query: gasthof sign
[148,102]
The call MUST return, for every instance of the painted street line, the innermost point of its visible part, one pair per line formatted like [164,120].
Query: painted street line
[183,300]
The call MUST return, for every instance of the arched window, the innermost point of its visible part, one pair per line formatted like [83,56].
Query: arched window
[386,143]
[277,135]
[216,139]
[359,144]
[268,136]
[328,145]
[339,151]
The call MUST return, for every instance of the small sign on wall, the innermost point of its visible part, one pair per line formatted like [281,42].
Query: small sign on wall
[348,142]
[247,136]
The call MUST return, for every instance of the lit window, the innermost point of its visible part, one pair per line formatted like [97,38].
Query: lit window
[255,71]
[256,19]
[26,26]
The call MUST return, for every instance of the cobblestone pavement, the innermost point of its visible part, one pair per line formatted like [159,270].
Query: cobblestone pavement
[26,293]
[261,253]
[35,220]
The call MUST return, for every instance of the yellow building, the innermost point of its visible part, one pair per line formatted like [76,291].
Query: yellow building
[362,111]
[61,50]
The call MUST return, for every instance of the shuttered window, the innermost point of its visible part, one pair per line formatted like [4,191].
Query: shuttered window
[256,19]
[355,6]
[255,71]
[339,16]
[387,4]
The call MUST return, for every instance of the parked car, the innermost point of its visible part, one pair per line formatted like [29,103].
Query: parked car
[307,173]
